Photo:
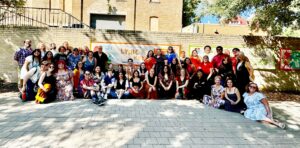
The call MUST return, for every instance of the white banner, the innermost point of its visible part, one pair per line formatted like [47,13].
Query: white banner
[119,53]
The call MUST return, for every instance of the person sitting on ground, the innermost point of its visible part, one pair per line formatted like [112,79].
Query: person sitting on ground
[64,82]
[151,81]
[47,86]
[91,89]
[121,86]
[258,108]
[200,86]
[216,99]
[232,98]
[182,85]
[167,87]
[107,85]
[136,86]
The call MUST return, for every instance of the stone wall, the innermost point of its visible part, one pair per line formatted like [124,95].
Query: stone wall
[274,80]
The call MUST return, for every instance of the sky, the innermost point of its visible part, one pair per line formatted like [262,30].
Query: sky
[210,19]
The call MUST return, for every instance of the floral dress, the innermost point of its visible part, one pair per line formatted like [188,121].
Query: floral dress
[216,93]
[64,86]
[255,109]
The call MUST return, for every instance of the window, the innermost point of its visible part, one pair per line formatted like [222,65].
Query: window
[153,23]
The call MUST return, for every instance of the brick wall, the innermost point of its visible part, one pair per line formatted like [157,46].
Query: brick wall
[12,38]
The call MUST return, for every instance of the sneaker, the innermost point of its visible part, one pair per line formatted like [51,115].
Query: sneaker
[94,100]
[101,102]
[281,125]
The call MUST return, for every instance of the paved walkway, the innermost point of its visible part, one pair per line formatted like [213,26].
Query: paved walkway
[139,123]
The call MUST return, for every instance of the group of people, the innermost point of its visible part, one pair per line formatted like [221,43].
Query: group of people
[219,81]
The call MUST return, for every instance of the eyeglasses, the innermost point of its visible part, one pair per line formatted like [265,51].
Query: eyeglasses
[254,87]
[87,74]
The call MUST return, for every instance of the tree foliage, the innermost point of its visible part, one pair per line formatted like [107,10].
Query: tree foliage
[189,16]
[273,16]
[12,3]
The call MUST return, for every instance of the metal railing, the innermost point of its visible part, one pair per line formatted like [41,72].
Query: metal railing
[38,17]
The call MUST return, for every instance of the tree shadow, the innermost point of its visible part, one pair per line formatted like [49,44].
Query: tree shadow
[122,123]
[275,79]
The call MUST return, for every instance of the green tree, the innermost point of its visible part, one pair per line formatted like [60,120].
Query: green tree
[189,16]
[10,3]
[273,16]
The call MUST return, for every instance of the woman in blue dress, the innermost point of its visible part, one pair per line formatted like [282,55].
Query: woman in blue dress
[257,106]
[170,55]
[90,62]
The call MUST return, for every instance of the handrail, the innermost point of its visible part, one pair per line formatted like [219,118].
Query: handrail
[50,17]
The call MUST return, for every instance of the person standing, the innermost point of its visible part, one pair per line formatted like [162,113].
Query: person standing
[217,60]
[170,54]
[150,60]
[101,58]
[53,49]
[61,55]
[207,52]
[73,59]
[160,61]
[20,56]
[234,59]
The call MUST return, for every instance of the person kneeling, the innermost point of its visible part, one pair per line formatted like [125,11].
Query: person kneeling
[91,89]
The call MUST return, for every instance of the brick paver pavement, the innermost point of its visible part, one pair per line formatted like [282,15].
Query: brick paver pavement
[139,123]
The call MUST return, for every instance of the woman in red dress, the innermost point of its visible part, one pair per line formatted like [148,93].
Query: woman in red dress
[150,60]
[189,67]
[207,67]
[182,82]
[195,59]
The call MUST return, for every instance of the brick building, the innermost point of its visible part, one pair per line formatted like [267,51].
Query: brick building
[142,15]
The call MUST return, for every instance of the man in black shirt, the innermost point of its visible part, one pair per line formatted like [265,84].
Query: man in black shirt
[101,58]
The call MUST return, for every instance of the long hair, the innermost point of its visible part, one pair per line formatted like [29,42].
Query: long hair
[163,71]
[171,48]
[39,57]
[184,62]
[46,58]
[143,70]
[149,52]
[135,72]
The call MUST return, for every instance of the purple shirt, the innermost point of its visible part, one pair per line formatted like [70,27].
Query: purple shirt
[21,54]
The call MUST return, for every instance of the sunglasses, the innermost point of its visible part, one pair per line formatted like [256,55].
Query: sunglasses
[87,74]
[254,87]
